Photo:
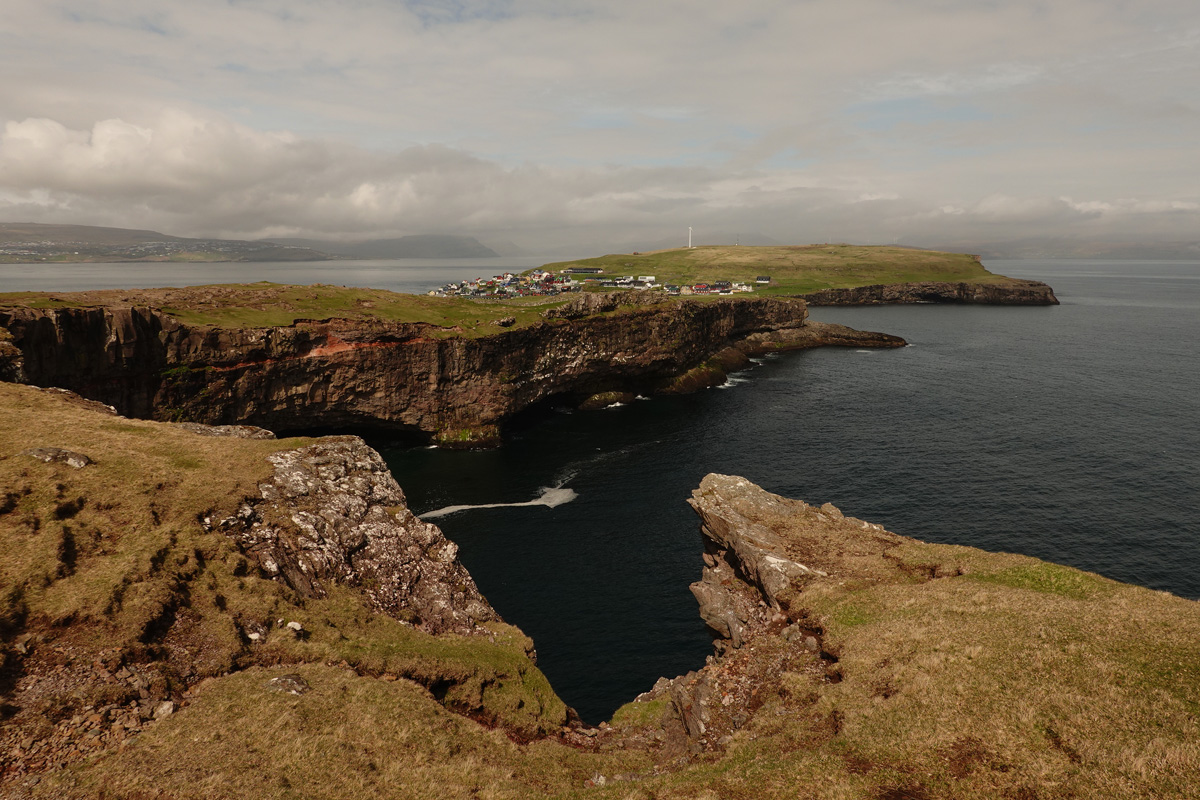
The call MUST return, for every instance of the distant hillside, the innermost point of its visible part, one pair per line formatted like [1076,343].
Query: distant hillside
[417,246]
[794,269]
[34,242]
[1046,247]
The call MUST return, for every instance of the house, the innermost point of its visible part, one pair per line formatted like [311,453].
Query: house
[763,279]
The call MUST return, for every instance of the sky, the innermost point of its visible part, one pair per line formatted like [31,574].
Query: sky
[602,126]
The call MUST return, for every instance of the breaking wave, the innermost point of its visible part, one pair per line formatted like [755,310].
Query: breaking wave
[549,496]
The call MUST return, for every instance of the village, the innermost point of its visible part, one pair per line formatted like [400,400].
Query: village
[574,279]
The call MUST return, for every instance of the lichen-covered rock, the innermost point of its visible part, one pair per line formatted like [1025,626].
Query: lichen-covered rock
[236,431]
[58,454]
[762,551]
[332,513]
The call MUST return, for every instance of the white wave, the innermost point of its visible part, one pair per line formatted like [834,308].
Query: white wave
[549,496]
[733,380]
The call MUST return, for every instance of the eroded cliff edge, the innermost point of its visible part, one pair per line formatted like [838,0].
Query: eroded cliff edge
[407,376]
[854,662]
[1012,293]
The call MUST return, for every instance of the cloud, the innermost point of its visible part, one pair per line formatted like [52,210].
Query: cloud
[596,120]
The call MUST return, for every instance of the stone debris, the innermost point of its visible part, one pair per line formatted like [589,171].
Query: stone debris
[58,454]
[290,684]
[54,741]
[237,431]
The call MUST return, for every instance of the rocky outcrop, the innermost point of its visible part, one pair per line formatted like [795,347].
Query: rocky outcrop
[761,553]
[333,513]
[410,377]
[1017,292]
[12,360]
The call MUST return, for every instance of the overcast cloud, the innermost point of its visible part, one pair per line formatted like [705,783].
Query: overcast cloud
[560,124]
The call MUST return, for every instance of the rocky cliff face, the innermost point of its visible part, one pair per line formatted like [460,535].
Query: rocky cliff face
[762,552]
[1030,293]
[333,513]
[413,377]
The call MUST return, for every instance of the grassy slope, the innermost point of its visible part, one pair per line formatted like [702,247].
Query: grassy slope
[1016,678]
[267,304]
[795,270]
[94,560]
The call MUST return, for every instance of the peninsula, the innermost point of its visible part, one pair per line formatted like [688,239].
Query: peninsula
[293,358]
[825,274]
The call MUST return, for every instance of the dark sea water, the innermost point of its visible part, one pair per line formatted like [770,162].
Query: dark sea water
[1069,433]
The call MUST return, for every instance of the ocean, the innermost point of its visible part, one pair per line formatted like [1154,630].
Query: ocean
[1068,433]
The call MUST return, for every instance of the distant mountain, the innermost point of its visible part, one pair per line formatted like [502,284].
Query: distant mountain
[416,246]
[35,242]
[1046,247]
[504,247]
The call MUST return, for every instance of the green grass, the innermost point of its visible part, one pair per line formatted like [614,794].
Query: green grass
[103,555]
[268,304]
[794,270]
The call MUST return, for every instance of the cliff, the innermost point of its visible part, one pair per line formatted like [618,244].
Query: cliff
[1013,292]
[142,560]
[854,662]
[190,613]
[407,376]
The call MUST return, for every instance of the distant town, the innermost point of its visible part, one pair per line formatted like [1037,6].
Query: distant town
[574,279]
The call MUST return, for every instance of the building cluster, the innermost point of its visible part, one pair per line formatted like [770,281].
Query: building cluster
[540,282]
[649,282]
[537,282]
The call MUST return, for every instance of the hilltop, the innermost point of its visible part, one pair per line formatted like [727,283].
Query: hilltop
[796,270]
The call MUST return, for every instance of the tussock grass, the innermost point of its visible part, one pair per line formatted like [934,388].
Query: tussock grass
[795,270]
[349,737]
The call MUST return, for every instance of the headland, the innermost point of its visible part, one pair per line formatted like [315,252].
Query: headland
[449,370]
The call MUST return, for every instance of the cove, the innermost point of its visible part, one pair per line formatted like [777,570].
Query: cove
[1064,433]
